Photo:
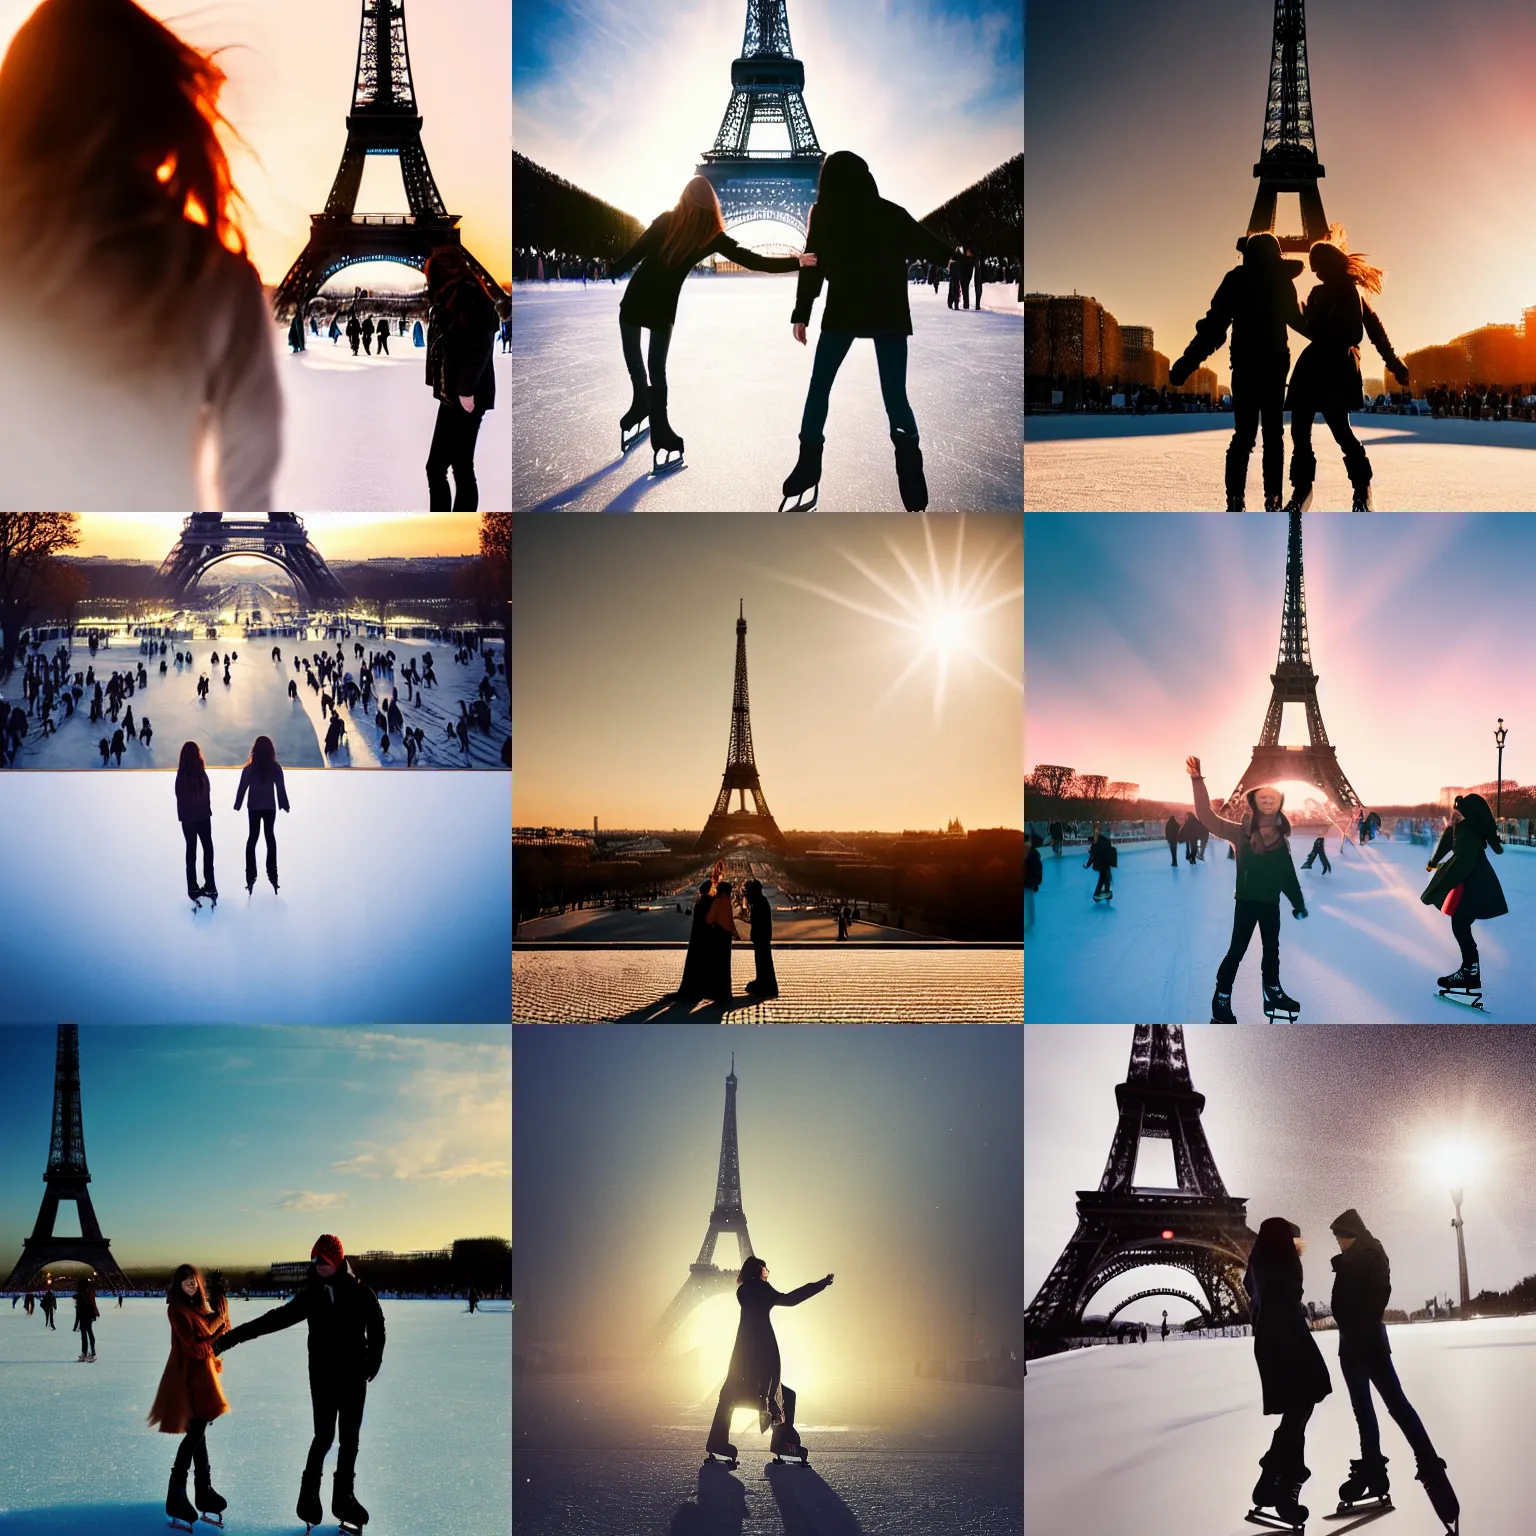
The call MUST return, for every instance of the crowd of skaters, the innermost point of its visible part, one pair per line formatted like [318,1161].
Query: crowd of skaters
[87,1311]
[965,271]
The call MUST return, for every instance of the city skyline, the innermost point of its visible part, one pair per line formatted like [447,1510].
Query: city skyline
[338,535]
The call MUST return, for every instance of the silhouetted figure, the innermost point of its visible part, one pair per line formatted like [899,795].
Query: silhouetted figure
[1319,851]
[262,776]
[1191,837]
[766,982]
[1171,832]
[1103,857]
[117,746]
[1466,888]
[49,1303]
[719,934]
[194,809]
[86,1314]
[461,375]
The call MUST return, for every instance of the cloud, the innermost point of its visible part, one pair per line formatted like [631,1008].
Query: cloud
[355,1164]
[308,1200]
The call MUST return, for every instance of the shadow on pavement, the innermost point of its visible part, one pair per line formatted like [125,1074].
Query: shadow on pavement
[672,1009]
[721,1509]
[109,1520]
[808,1506]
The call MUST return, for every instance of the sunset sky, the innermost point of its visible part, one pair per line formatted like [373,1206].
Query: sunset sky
[240,1146]
[1153,636]
[291,64]
[1145,123]
[337,535]
[624,662]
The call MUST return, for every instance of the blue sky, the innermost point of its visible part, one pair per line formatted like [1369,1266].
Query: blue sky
[243,1145]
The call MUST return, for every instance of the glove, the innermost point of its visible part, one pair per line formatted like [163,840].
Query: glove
[1399,372]
[1180,372]
[1298,911]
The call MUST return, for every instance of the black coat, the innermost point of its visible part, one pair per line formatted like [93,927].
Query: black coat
[1102,854]
[1291,1367]
[460,345]
[1034,870]
[1327,374]
[194,800]
[346,1326]
[1257,301]
[762,920]
[1362,1287]
[1171,829]
[1482,895]
[753,1375]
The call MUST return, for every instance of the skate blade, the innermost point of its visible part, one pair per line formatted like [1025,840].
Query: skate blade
[217,1520]
[660,463]
[177,1524]
[627,440]
[1463,999]
[801,504]
[1359,1516]
[1272,1522]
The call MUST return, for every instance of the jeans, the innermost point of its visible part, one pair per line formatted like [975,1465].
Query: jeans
[661,339]
[1265,915]
[453,447]
[196,832]
[336,1404]
[1461,931]
[1103,885]
[890,358]
[193,1447]
[1257,399]
[1368,1363]
[259,821]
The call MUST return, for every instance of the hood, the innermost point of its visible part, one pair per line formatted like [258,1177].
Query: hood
[1261,254]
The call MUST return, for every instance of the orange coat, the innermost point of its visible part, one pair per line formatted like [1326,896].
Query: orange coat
[190,1388]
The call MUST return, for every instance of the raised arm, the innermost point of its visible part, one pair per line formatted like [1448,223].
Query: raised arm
[646,245]
[750,259]
[1211,331]
[1378,334]
[1216,825]
[916,236]
[292,1311]
[801,1293]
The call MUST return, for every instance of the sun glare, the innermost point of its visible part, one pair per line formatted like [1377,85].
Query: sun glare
[1454,1161]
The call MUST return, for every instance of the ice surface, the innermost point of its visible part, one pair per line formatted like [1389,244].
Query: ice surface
[1368,953]
[77,1457]
[1177,464]
[1164,1439]
[395,907]
[737,381]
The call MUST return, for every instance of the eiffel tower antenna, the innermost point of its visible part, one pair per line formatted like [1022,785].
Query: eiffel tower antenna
[1288,159]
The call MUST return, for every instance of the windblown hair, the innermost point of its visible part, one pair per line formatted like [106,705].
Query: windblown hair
[751,1270]
[263,759]
[453,285]
[1478,813]
[694,222]
[1334,263]
[175,1294]
[190,768]
[116,196]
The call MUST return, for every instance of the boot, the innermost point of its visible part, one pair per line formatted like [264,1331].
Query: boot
[1221,1008]
[1272,503]
[210,1504]
[1467,979]
[1288,1503]
[909,473]
[805,476]
[1267,1489]
[176,1502]
[309,1508]
[1301,499]
[663,439]
[1366,1480]
[1362,501]
[632,419]
[344,1503]
[1235,501]
[1276,1000]
[1438,1486]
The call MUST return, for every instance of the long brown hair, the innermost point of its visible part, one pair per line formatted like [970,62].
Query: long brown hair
[454,285]
[190,768]
[263,759]
[1333,261]
[174,1292]
[115,191]
[692,224]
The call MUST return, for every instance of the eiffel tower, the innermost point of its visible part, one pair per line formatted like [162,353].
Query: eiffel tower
[740,771]
[1295,683]
[207,538]
[1197,1227]
[65,1178]
[383,121]
[1288,159]
[705,1278]
[767,83]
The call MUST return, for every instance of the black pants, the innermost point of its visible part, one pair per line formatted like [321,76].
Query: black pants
[1258,399]
[453,447]
[87,1337]
[194,1448]
[1189,852]
[1173,854]
[1103,885]
[1461,931]
[259,821]
[336,1405]
[890,362]
[1366,1364]
[1287,1454]
[1317,853]
[195,832]
[1304,461]
[720,1429]
[48,1316]
[661,339]
[1265,915]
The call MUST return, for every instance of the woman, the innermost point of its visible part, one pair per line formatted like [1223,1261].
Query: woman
[194,809]
[1264,873]
[753,1376]
[666,253]
[862,244]
[696,962]
[262,776]
[86,1313]
[766,982]
[1291,1368]
[118,243]
[1466,888]
[190,1397]
[460,326]
[1103,857]
[1327,374]
[719,935]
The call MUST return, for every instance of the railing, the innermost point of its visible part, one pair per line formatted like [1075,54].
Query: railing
[383,218]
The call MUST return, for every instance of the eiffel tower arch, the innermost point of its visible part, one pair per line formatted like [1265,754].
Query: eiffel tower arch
[384,121]
[1121,1227]
[1288,158]
[208,538]
[66,1178]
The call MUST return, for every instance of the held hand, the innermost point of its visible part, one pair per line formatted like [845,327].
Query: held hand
[1400,373]
[1192,767]
[468,402]
[829,1279]
[1298,911]
[807,258]
[798,332]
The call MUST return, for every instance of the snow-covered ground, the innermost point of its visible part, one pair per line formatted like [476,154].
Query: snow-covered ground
[77,1457]
[395,902]
[1368,953]
[1176,464]
[737,383]
[1164,1439]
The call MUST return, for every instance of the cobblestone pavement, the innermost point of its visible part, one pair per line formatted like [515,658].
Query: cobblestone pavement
[845,984]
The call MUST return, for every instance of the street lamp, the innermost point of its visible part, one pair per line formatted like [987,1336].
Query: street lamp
[1461,1251]
[1498,788]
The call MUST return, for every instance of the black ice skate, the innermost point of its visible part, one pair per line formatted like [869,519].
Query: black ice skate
[664,441]
[1464,985]
[211,1504]
[1301,499]
[310,1510]
[1366,1487]
[1221,1008]
[1438,1486]
[909,473]
[1289,1513]
[632,422]
[1236,502]
[804,478]
[1271,503]
[350,1515]
[715,1455]
[1362,501]
[1277,1003]
[177,1506]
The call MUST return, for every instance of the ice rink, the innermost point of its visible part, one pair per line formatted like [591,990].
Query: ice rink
[1164,1439]
[1368,953]
[1177,464]
[737,381]
[77,1457]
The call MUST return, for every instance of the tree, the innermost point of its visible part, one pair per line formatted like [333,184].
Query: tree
[30,543]
[496,558]
[1089,787]
[1051,780]
[1120,790]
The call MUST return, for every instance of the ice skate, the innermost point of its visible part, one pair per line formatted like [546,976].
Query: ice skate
[1272,503]
[210,893]
[791,1449]
[1221,1008]
[309,1508]
[210,1505]
[664,441]
[1236,502]
[909,473]
[1289,1513]
[1464,986]
[804,478]
[717,1455]
[1301,499]
[1366,1487]
[177,1506]
[1362,501]
[1438,1486]
[1278,1003]
[632,422]
[350,1515]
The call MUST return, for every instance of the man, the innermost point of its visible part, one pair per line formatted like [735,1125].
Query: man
[346,1349]
[1171,832]
[1362,1286]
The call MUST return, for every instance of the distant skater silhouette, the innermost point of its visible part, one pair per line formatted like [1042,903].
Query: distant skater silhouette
[262,776]
[194,809]
[1103,857]
[752,1378]
[1466,888]
[1327,376]
[1319,851]
[1171,832]
[1257,300]
[766,982]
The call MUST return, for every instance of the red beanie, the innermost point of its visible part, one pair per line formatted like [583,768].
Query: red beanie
[328,1248]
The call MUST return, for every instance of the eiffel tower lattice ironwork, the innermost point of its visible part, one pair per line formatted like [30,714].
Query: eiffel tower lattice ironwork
[740,771]
[383,121]
[65,1178]
[767,86]
[1197,1227]
[1288,160]
[207,538]
[705,1278]
[1295,683]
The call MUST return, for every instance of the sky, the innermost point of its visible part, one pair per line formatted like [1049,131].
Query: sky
[1145,123]
[241,1146]
[889,1158]
[291,65]
[1149,638]
[337,535]
[624,661]
[622,98]
[1305,1122]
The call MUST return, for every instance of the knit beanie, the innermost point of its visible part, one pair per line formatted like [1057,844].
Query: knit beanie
[328,1248]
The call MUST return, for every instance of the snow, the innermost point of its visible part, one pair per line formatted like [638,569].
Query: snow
[1164,1439]
[396,902]
[1176,464]
[78,1457]
[737,384]
[1368,953]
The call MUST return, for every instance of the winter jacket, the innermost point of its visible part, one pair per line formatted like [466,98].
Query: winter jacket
[650,298]
[189,1385]
[460,349]
[1362,1287]
[265,795]
[194,798]
[1260,876]
[1102,854]
[1481,896]
[753,1375]
[865,269]
[1171,829]
[1291,1367]
[1257,300]
[762,919]
[1034,870]
[346,1326]
[1327,374]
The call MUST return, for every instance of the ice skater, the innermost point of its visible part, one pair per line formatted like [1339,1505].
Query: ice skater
[1466,889]
[86,1314]
[676,242]
[1191,832]
[1171,832]
[766,982]
[861,244]
[1264,872]
[1102,856]
[49,1303]
[1362,1287]
[1319,851]
[262,776]
[190,1397]
[461,375]
[752,1378]
[194,810]
[1291,1368]
[346,1350]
